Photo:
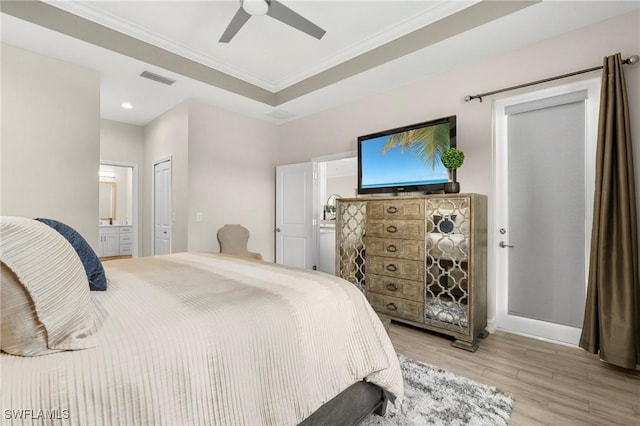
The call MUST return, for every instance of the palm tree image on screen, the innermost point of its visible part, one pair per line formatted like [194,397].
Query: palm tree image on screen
[431,146]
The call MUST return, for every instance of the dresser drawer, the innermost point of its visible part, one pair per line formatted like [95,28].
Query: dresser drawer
[396,287]
[398,268]
[395,307]
[405,229]
[396,209]
[393,247]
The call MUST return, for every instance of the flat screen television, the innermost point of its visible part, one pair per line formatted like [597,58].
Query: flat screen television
[406,159]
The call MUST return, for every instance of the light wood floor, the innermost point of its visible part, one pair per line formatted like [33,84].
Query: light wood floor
[552,384]
[124,256]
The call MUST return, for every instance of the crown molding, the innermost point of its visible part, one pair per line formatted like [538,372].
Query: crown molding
[89,11]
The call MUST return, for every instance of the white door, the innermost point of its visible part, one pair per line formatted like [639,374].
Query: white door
[545,161]
[162,208]
[295,225]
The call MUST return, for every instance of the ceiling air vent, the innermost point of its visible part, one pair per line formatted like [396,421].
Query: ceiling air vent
[280,114]
[158,78]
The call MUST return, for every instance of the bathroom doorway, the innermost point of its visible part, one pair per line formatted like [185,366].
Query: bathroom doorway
[337,177]
[118,210]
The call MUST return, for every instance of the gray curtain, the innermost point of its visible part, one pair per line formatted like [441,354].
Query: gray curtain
[611,324]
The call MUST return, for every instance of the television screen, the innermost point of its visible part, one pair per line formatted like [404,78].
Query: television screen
[407,158]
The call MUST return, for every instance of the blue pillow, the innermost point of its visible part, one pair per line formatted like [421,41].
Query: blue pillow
[91,263]
[443,226]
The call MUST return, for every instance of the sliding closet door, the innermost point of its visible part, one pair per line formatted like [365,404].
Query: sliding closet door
[542,238]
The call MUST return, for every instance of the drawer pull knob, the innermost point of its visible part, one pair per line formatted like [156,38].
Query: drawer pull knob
[392,268]
[392,287]
[392,307]
[392,229]
[391,248]
[392,209]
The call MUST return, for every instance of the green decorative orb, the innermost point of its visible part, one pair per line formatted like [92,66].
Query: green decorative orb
[452,158]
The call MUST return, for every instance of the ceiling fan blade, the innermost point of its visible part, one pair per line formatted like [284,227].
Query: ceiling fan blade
[283,14]
[239,19]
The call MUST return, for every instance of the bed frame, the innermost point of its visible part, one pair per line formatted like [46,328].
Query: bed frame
[350,407]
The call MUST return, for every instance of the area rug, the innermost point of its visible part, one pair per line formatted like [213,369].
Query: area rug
[438,397]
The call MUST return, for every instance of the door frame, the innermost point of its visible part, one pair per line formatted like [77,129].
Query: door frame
[153,202]
[319,185]
[135,193]
[515,324]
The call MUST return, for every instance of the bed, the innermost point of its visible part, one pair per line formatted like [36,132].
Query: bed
[197,338]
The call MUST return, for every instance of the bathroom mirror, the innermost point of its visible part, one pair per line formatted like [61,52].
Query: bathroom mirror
[330,207]
[107,198]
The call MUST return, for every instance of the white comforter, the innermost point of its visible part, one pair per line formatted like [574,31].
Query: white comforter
[205,339]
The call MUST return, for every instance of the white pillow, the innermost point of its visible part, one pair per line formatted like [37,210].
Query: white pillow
[21,332]
[55,291]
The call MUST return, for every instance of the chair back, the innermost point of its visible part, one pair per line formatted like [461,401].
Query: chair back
[233,240]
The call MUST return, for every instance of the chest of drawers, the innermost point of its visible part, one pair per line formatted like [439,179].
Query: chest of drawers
[422,260]
[394,241]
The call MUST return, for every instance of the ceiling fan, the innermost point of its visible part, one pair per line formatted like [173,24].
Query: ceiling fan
[274,9]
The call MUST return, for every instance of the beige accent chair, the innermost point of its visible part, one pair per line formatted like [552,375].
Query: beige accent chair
[233,240]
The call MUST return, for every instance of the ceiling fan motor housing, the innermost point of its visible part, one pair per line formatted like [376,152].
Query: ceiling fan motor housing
[275,10]
[255,7]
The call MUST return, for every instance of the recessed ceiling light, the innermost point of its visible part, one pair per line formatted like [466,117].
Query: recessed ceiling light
[127,105]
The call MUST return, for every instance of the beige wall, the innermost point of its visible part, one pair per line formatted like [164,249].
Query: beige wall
[344,186]
[336,130]
[223,167]
[168,136]
[50,146]
[232,161]
[121,142]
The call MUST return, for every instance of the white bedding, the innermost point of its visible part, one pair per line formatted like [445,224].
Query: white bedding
[205,339]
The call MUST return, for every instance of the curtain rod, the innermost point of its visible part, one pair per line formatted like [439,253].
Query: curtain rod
[631,60]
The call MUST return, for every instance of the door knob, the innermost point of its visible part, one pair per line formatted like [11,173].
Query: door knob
[504,245]
[277,229]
